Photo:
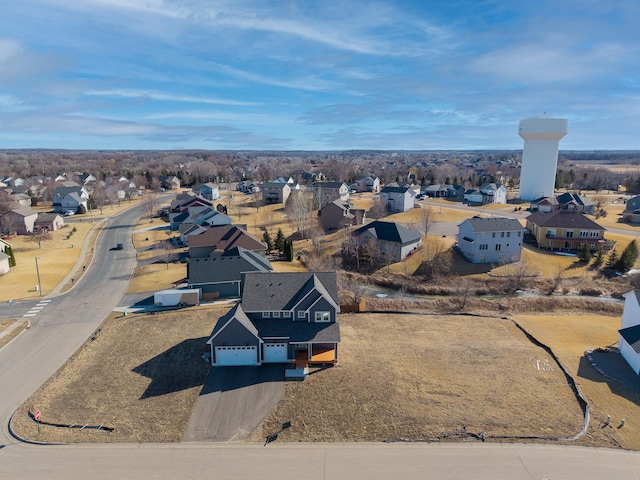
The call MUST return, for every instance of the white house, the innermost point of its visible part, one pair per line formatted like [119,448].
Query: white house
[629,343]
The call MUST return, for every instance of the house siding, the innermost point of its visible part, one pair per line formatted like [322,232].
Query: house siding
[630,355]
[500,245]
[235,334]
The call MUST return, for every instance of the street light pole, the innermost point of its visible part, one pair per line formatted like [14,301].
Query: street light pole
[11,302]
[38,273]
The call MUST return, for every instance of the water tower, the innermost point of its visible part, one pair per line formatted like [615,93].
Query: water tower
[540,155]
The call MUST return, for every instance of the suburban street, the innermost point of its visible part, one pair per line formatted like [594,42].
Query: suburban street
[64,322]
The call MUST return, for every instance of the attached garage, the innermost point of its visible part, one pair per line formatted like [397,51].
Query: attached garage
[236,356]
[274,353]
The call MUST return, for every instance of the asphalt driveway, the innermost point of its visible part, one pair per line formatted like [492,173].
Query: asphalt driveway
[233,402]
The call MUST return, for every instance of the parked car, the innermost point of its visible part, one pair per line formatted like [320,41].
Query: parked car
[68,213]
[119,246]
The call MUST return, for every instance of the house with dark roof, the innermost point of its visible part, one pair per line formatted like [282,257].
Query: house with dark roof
[340,214]
[220,274]
[565,231]
[631,213]
[629,342]
[368,184]
[576,202]
[436,190]
[48,222]
[186,205]
[397,199]
[543,204]
[491,240]
[222,238]
[393,241]
[288,318]
[69,197]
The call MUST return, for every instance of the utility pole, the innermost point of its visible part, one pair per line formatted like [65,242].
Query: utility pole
[38,273]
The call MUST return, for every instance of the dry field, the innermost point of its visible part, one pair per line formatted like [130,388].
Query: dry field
[571,337]
[427,377]
[141,375]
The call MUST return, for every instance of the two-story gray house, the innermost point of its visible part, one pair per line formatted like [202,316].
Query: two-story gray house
[275,192]
[491,240]
[282,318]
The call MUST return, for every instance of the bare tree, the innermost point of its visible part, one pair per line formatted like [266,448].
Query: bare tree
[516,274]
[39,237]
[427,216]
[299,208]
[150,205]
[557,280]
[166,252]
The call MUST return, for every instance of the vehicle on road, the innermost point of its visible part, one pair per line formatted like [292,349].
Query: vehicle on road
[119,246]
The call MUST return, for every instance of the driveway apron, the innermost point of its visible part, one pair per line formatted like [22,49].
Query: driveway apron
[234,401]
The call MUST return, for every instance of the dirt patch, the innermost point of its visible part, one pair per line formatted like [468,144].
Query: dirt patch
[140,375]
[430,377]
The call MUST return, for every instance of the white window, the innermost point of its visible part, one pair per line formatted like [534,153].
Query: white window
[323,316]
[276,314]
[286,314]
[301,314]
[265,314]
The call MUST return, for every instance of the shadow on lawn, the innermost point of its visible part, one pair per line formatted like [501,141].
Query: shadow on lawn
[178,368]
[613,370]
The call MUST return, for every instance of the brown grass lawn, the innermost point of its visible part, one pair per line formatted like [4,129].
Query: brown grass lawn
[571,337]
[420,377]
[141,375]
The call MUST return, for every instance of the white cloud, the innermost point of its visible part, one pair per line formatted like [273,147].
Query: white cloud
[147,94]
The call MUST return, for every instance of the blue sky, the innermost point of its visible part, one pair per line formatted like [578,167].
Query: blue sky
[316,74]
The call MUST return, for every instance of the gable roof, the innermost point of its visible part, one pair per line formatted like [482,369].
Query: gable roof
[563,219]
[390,231]
[632,337]
[284,290]
[45,217]
[23,211]
[396,189]
[578,199]
[225,237]
[226,266]
[494,224]
[237,314]
[327,184]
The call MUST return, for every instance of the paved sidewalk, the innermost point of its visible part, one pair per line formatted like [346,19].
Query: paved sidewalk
[17,323]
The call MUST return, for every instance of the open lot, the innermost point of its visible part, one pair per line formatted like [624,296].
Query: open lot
[428,377]
[140,375]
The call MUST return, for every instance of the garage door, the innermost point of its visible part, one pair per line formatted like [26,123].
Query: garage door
[236,356]
[275,353]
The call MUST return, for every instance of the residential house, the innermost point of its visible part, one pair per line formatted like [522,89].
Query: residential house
[4,263]
[5,258]
[275,192]
[48,222]
[493,193]
[576,202]
[208,190]
[20,199]
[186,205]
[397,199]
[340,214]
[491,240]
[437,190]
[327,192]
[18,220]
[631,213]
[456,192]
[474,197]
[368,184]
[288,318]
[69,197]
[565,231]
[169,182]
[221,273]
[393,241]
[629,342]
[544,204]
[222,238]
